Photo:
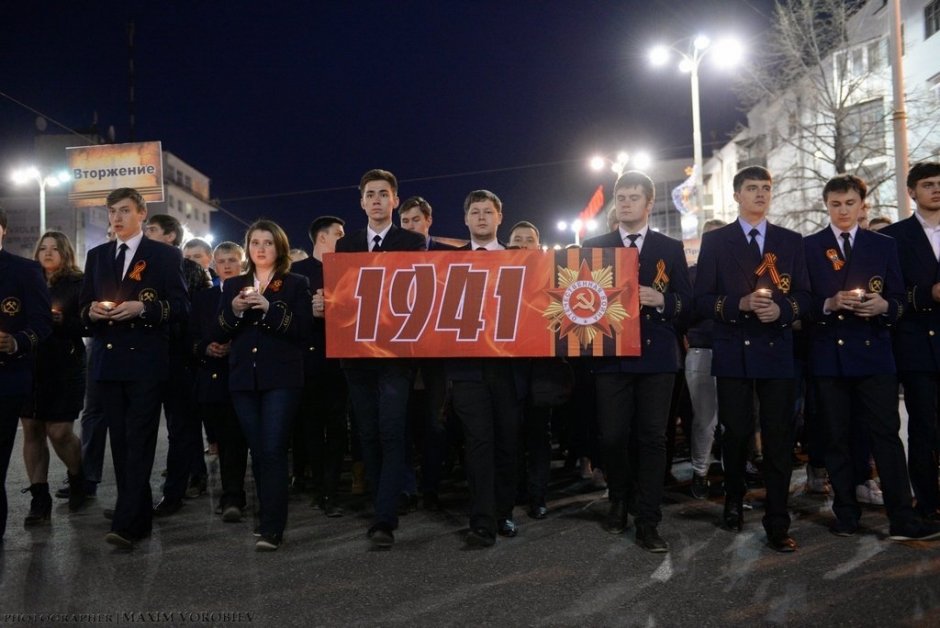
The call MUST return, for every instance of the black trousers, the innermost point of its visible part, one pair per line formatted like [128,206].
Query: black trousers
[537,429]
[873,401]
[736,414]
[635,407]
[184,457]
[10,407]
[491,414]
[921,390]
[233,451]
[323,427]
[132,411]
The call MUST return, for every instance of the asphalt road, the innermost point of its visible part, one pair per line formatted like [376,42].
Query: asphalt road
[565,570]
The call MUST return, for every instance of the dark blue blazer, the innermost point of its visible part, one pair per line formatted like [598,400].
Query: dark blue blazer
[211,373]
[315,354]
[917,334]
[137,349]
[25,314]
[397,239]
[659,331]
[742,345]
[841,343]
[267,349]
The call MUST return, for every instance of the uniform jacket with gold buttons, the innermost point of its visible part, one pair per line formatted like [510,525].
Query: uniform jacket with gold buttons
[267,349]
[135,349]
[841,343]
[26,314]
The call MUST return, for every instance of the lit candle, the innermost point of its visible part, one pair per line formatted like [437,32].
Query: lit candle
[107,305]
[860,293]
[248,290]
[764,292]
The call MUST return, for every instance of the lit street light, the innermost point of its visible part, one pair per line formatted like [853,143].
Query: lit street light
[618,165]
[25,175]
[576,227]
[726,53]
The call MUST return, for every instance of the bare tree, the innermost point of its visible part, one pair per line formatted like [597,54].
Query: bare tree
[818,91]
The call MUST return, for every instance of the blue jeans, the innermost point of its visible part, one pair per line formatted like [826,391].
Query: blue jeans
[265,417]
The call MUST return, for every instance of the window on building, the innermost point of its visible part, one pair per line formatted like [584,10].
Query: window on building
[931,18]
[188,182]
[855,63]
[933,84]
[864,131]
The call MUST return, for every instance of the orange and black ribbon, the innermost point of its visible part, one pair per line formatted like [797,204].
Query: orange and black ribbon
[138,269]
[833,256]
[662,279]
[769,264]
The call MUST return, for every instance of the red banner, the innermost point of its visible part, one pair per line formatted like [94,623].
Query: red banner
[578,302]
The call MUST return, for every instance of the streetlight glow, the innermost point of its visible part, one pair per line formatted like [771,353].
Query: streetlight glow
[597,162]
[25,175]
[728,52]
[562,225]
[592,225]
[702,42]
[685,66]
[642,160]
[577,225]
[659,55]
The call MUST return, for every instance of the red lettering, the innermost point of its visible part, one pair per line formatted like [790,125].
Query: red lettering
[368,293]
[509,294]
[412,295]
[462,303]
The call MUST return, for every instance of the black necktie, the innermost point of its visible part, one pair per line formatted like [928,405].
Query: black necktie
[119,262]
[755,247]
[633,238]
[378,244]
[846,245]
[481,248]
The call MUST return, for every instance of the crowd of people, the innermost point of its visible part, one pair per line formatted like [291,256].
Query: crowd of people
[769,329]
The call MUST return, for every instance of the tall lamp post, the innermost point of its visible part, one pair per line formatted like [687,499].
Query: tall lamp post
[618,165]
[727,53]
[576,227]
[25,175]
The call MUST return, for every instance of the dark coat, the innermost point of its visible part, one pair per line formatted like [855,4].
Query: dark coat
[211,373]
[26,314]
[396,239]
[742,345]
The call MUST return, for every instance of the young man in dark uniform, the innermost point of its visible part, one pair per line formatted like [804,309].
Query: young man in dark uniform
[633,394]
[133,291]
[858,297]
[379,387]
[752,282]
[25,320]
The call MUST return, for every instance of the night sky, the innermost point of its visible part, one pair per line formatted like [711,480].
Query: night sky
[285,104]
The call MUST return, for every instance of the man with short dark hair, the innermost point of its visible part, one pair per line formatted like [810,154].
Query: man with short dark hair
[858,297]
[25,320]
[186,471]
[917,341]
[132,292]
[752,282]
[321,421]
[415,214]
[379,387]
[634,393]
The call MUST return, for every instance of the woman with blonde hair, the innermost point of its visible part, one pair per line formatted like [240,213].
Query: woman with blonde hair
[59,382]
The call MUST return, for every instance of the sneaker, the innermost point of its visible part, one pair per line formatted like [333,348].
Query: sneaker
[268,543]
[869,493]
[232,514]
[700,486]
[915,530]
[844,528]
[817,480]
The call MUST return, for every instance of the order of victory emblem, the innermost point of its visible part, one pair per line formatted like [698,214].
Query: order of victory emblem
[585,303]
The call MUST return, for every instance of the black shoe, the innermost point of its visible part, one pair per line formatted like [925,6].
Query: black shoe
[616,518]
[915,531]
[167,507]
[268,543]
[507,528]
[40,506]
[781,541]
[648,538]
[381,536]
[538,511]
[77,497]
[480,537]
[231,514]
[198,485]
[407,503]
[700,486]
[329,507]
[431,502]
[120,540]
[63,492]
[733,516]
[844,528]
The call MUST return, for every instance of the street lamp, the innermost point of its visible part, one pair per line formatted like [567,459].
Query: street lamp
[726,53]
[577,226]
[640,160]
[25,175]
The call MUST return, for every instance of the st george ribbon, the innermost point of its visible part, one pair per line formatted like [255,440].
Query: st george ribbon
[451,304]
